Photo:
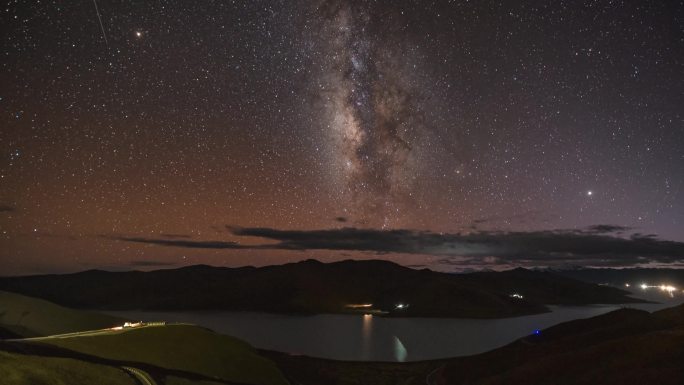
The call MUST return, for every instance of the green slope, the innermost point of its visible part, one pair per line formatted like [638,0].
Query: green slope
[30,317]
[19,369]
[179,347]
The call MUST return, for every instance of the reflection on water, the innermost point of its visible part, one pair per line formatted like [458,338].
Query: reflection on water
[400,351]
[366,342]
[368,337]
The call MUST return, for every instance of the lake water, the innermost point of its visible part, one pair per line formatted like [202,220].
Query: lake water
[374,338]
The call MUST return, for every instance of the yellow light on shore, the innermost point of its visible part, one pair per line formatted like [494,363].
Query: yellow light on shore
[669,289]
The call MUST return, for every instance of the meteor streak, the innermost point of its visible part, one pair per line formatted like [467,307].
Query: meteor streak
[99,18]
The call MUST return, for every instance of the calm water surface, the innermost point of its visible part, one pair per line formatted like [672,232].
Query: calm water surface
[372,338]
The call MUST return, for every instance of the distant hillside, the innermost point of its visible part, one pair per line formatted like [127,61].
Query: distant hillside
[634,276]
[314,287]
[30,317]
[550,288]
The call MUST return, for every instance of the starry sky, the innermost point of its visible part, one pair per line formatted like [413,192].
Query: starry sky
[169,133]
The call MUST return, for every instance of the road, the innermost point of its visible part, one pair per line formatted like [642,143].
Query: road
[89,333]
[66,335]
[142,377]
[430,378]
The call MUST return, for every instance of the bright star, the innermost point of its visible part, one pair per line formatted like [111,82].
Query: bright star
[138,33]
[590,193]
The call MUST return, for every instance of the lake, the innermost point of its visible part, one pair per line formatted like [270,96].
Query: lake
[374,338]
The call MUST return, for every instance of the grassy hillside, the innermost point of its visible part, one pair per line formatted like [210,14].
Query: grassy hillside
[179,347]
[30,317]
[20,369]
[622,347]
[172,352]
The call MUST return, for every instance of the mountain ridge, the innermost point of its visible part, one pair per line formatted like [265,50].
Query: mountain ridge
[311,286]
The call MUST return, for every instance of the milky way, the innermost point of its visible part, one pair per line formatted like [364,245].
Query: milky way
[374,120]
[375,116]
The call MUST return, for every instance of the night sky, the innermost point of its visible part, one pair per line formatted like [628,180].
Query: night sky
[446,134]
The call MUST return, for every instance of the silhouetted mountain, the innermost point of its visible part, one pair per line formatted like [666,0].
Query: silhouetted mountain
[314,287]
[634,276]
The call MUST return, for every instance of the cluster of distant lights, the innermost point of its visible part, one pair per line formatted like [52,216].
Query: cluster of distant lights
[669,289]
[369,306]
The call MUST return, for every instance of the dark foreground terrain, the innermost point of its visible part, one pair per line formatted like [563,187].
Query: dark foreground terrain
[67,351]
[315,287]
[622,347]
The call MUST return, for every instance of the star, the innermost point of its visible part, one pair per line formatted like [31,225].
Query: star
[188,128]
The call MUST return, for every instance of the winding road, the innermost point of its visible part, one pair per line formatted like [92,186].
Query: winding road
[142,377]
[429,379]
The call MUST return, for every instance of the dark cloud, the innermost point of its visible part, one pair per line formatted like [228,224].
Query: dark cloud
[340,239]
[175,236]
[187,243]
[605,229]
[595,245]
[341,219]
[6,208]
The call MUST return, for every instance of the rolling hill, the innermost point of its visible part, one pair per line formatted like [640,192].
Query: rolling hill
[626,346]
[30,317]
[73,347]
[314,287]
[632,276]
[622,347]
[20,369]
[184,348]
